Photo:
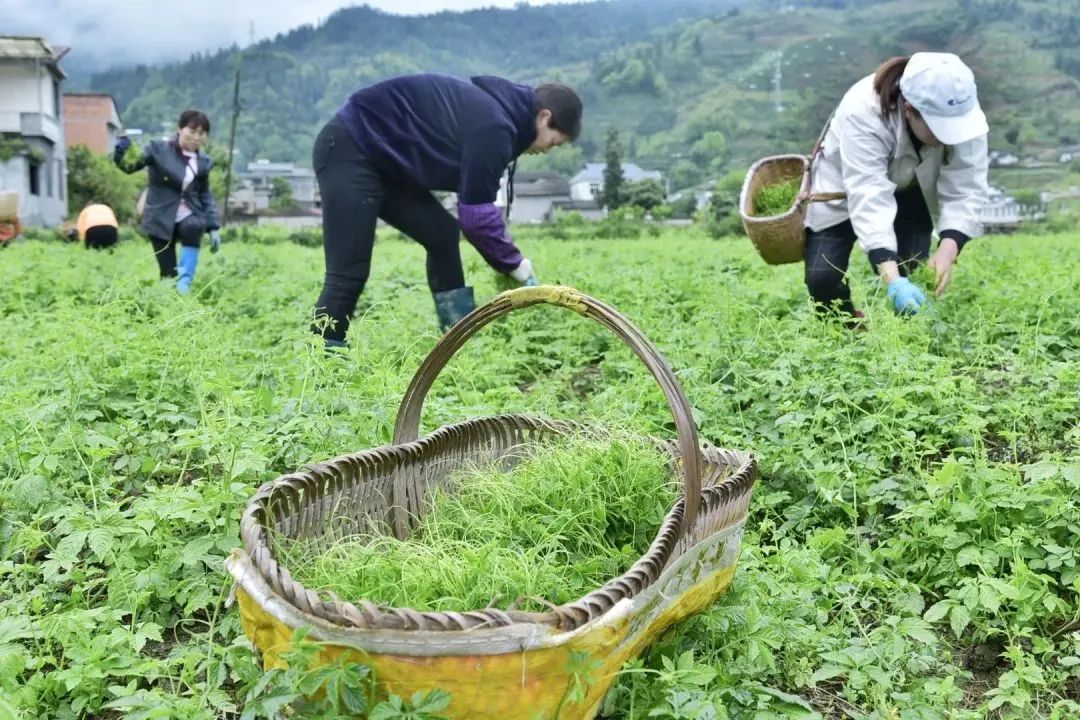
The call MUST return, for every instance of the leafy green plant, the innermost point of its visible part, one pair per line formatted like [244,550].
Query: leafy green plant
[311,687]
[776,199]
[422,706]
[911,546]
[509,538]
[94,178]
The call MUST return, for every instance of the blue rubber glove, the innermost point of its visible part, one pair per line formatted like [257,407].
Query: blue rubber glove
[122,144]
[906,296]
[532,281]
[215,241]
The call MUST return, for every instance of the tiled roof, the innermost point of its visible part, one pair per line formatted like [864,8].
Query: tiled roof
[17,47]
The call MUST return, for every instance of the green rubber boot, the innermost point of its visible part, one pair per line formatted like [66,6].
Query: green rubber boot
[452,305]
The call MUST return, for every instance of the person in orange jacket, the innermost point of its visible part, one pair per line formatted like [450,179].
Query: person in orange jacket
[9,217]
[97,226]
[9,230]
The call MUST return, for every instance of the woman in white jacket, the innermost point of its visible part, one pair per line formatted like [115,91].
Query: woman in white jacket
[908,146]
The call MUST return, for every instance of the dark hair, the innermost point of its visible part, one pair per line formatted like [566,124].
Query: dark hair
[194,119]
[887,84]
[564,106]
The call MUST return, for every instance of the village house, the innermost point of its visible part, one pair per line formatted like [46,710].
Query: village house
[33,156]
[540,196]
[255,186]
[588,209]
[589,183]
[535,193]
[91,119]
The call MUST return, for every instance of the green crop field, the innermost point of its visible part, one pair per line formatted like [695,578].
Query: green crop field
[913,544]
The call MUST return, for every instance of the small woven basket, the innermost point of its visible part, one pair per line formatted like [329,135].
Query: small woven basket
[781,239]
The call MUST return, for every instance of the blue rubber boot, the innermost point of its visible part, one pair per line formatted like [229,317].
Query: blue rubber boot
[189,259]
[452,305]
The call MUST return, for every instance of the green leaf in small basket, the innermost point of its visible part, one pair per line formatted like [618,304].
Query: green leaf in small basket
[776,199]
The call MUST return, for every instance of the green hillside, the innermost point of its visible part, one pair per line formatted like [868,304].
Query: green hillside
[695,87]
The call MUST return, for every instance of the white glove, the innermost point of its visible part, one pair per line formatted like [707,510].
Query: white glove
[523,273]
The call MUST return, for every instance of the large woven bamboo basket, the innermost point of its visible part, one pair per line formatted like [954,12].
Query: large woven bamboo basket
[496,664]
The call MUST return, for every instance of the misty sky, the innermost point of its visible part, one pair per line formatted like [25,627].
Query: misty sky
[102,33]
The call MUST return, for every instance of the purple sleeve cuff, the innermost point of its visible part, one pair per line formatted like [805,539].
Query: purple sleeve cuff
[485,228]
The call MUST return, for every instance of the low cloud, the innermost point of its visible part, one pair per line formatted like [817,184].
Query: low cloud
[106,33]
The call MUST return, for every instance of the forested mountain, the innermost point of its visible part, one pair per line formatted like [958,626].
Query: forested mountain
[696,87]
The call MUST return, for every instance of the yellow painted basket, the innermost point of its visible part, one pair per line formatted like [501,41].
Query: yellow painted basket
[496,664]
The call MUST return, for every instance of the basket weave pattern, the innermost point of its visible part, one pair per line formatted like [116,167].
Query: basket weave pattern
[388,488]
[781,239]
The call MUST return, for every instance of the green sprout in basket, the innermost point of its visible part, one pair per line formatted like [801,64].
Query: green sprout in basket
[569,517]
[776,199]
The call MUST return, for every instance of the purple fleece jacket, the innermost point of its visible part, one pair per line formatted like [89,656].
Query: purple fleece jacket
[443,133]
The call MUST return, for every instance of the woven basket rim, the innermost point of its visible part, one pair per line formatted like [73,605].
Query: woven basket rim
[746,201]
[738,479]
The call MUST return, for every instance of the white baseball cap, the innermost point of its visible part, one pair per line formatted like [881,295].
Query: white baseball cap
[942,88]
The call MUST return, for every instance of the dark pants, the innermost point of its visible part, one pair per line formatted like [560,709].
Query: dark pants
[188,233]
[827,251]
[354,197]
[100,237]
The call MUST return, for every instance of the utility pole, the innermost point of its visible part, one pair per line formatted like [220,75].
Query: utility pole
[232,138]
[778,74]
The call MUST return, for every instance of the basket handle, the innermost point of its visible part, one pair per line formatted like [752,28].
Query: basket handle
[407,426]
[810,196]
[823,197]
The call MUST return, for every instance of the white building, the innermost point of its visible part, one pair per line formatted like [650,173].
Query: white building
[535,194]
[1002,212]
[33,157]
[589,183]
[256,184]
[1000,158]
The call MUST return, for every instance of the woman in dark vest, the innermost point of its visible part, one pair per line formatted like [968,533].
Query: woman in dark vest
[391,144]
[179,205]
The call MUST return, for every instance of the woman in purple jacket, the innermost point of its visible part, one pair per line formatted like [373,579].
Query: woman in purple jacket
[391,144]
